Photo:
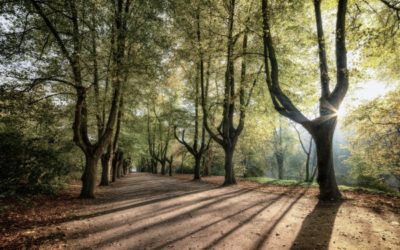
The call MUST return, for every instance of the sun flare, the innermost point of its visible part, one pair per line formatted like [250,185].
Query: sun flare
[365,91]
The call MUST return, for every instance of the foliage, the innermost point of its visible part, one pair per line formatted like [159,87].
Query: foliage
[161,62]
[30,164]
[375,139]
[272,181]
[36,156]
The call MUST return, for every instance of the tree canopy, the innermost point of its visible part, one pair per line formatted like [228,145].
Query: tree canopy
[94,89]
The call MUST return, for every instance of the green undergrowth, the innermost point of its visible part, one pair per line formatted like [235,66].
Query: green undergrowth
[278,182]
[289,183]
[387,191]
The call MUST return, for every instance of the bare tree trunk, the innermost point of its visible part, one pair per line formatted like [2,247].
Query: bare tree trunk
[115,160]
[308,169]
[120,161]
[208,160]
[106,163]
[197,164]
[279,161]
[229,172]
[105,169]
[308,178]
[89,177]
[170,169]
[163,167]
[323,136]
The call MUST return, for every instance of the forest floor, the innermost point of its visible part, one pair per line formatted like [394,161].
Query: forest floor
[144,211]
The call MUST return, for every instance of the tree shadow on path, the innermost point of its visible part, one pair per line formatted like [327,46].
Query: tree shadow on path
[316,230]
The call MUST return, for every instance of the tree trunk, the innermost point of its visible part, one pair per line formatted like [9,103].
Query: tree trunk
[170,169]
[154,167]
[206,171]
[308,168]
[163,168]
[196,176]
[279,161]
[89,177]
[208,160]
[323,137]
[119,162]
[105,169]
[126,167]
[114,167]
[229,173]
[122,167]
[119,169]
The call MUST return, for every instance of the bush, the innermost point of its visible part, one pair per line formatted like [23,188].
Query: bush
[373,183]
[29,165]
[183,169]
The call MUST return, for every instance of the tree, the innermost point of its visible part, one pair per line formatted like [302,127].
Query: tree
[307,151]
[159,136]
[323,127]
[92,151]
[227,133]
[198,148]
[279,149]
[375,137]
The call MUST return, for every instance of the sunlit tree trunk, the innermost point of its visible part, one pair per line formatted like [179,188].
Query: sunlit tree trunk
[323,136]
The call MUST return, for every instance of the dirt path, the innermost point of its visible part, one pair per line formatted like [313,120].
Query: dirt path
[150,212]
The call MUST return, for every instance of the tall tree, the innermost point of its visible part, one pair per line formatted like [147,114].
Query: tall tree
[323,127]
[73,54]
[198,148]
[307,151]
[279,149]
[227,133]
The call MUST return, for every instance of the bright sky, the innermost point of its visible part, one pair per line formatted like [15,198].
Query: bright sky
[365,91]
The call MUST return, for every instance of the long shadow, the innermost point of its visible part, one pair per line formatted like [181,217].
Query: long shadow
[248,220]
[265,236]
[268,204]
[172,220]
[108,225]
[316,230]
[135,205]
[141,193]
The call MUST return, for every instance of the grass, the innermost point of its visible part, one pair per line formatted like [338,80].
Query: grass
[278,182]
[387,191]
[288,183]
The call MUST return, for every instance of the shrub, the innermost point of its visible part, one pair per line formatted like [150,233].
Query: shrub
[29,164]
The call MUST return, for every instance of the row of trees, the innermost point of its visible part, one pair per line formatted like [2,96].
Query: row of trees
[87,47]
[136,74]
[236,94]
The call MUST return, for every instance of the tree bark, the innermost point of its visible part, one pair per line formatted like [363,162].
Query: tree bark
[89,177]
[279,161]
[323,136]
[197,165]
[163,168]
[308,168]
[105,169]
[120,160]
[114,167]
[206,171]
[229,172]
[308,178]
[153,166]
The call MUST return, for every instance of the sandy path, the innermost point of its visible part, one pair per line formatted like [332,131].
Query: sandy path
[150,212]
